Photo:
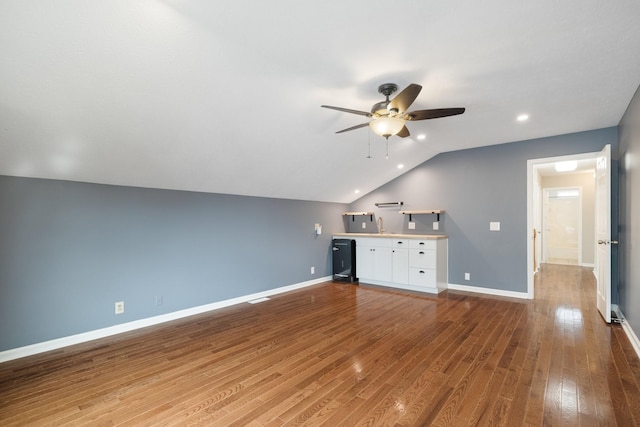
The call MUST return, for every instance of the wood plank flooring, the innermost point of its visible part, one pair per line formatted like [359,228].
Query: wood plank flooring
[340,354]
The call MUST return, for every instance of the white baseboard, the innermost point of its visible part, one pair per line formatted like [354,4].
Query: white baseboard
[633,338]
[490,291]
[55,344]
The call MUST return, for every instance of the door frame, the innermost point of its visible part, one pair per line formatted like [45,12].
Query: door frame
[534,205]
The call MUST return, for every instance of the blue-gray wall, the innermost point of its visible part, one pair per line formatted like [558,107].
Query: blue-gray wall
[629,214]
[69,251]
[475,187]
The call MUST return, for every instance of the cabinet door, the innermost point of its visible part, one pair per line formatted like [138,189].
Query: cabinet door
[382,264]
[364,262]
[400,266]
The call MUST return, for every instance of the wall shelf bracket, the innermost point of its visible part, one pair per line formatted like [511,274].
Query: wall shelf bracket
[354,214]
[435,212]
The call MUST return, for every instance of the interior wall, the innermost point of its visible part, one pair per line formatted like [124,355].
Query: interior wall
[586,182]
[629,220]
[475,187]
[70,250]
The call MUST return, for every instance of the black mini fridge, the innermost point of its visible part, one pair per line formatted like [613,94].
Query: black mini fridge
[344,260]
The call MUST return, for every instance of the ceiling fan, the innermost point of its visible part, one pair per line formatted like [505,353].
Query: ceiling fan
[389,116]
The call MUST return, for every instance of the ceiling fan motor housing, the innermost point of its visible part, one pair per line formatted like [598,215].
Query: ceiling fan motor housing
[387,89]
[382,108]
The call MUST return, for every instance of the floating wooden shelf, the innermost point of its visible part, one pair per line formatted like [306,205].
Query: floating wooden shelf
[423,212]
[353,215]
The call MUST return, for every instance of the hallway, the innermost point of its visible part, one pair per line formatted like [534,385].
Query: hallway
[591,369]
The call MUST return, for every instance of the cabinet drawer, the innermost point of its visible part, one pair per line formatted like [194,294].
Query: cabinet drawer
[422,277]
[422,244]
[422,258]
[400,243]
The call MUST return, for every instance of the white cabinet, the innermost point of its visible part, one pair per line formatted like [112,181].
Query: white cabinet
[400,261]
[422,263]
[405,262]
[428,263]
[373,259]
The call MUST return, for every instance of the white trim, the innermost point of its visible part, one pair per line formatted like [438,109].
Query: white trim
[55,344]
[405,286]
[490,291]
[633,338]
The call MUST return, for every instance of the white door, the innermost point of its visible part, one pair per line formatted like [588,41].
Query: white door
[537,235]
[562,225]
[603,233]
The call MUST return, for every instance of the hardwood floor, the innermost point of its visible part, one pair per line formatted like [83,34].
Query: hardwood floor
[340,354]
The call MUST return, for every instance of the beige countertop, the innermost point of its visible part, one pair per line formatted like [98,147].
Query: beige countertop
[393,236]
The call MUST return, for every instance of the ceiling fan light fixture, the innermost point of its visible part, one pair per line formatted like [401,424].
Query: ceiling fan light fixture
[387,126]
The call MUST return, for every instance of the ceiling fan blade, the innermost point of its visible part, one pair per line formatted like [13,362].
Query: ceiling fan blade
[348,110]
[433,114]
[354,127]
[404,99]
[404,132]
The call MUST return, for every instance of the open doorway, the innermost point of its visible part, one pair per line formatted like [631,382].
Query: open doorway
[554,181]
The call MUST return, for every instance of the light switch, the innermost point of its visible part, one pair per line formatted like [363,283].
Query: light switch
[494,226]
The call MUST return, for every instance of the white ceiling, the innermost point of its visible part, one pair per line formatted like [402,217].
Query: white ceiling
[225,97]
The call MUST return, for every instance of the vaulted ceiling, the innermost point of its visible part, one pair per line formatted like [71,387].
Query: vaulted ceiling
[225,97]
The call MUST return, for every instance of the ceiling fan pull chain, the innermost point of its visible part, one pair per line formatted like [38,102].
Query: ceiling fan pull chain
[387,149]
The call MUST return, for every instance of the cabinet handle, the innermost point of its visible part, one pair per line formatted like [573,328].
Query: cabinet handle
[421,253]
[421,243]
[399,243]
[421,272]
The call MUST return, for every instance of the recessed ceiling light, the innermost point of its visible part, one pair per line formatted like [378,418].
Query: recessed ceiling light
[356,191]
[400,166]
[421,137]
[523,117]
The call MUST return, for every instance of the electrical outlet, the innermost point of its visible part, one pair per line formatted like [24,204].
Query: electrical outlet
[467,276]
[412,225]
[364,224]
[494,226]
[120,307]
[158,299]
[313,270]
[436,225]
